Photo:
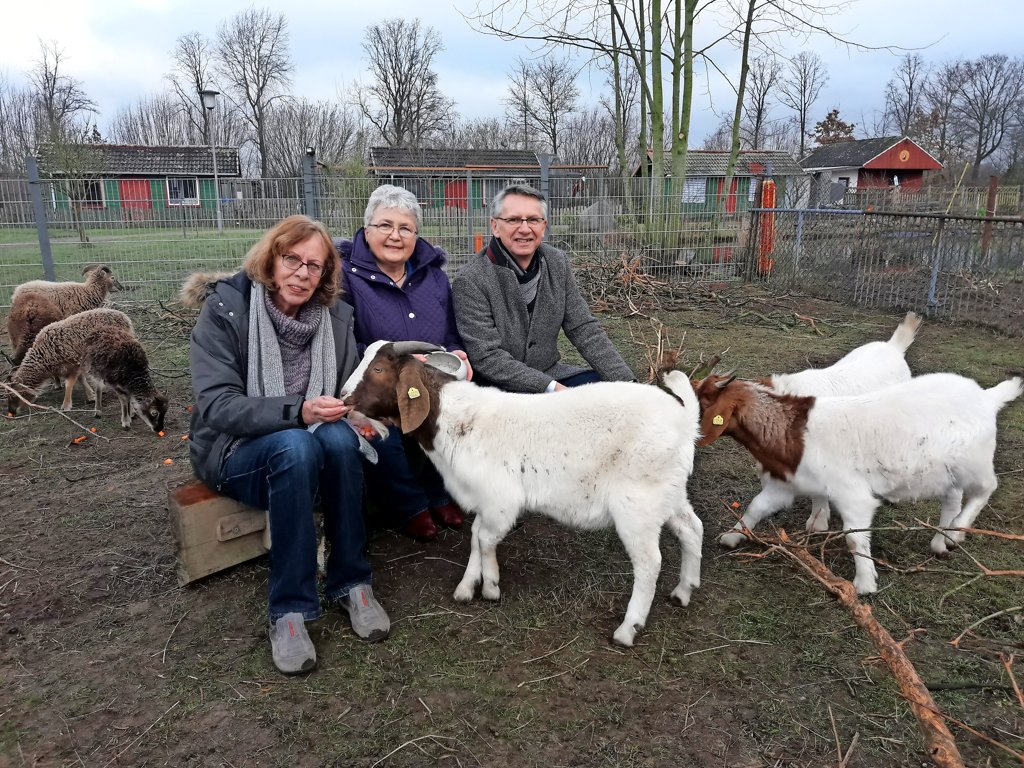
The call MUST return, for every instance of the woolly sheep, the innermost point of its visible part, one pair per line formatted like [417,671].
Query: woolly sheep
[100,347]
[931,437]
[37,303]
[611,453]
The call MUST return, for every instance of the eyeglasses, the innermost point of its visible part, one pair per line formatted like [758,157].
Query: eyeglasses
[293,262]
[516,221]
[386,228]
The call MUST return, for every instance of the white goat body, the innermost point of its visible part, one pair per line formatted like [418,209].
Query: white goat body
[931,437]
[604,454]
[869,367]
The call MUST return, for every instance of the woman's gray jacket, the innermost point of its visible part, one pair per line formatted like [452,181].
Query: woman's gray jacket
[219,358]
[519,352]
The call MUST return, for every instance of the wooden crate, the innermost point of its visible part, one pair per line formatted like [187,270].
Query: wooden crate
[214,532]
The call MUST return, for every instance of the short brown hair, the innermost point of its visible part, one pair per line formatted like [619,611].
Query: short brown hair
[259,261]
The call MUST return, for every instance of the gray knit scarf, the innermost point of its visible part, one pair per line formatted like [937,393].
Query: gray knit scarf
[266,373]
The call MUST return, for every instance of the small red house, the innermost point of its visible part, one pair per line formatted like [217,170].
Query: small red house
[890,161]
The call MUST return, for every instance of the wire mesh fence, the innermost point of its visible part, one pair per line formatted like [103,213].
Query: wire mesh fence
[961,267]
[957,267]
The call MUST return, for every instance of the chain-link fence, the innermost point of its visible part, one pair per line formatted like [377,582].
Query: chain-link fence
[958,267]
[955,266]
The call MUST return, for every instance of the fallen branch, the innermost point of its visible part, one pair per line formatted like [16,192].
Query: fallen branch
[942,749]
[36,406]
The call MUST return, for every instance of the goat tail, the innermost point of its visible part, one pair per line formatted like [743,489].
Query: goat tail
[198,286]
[905,332]
[679,385]
[1007,391]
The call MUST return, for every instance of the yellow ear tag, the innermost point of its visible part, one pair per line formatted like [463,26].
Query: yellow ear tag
[413,393]
[718,421]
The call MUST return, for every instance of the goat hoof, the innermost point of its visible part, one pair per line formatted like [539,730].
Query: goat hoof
[681,596]
[732,539]
[490,591]
[464,593]
[865,586]
[625,635]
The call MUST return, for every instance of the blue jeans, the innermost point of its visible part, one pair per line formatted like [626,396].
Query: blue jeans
[581,378]
[399,486]
[283,472]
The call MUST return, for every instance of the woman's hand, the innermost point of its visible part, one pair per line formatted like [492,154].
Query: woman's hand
[324,408]
[469,368]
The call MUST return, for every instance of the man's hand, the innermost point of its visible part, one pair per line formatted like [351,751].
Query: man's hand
[469,368]
[324,408]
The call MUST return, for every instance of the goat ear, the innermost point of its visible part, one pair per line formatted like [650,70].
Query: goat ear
[413,397]
[715,420]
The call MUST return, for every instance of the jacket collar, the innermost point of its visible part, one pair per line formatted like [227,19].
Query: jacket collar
[357,250]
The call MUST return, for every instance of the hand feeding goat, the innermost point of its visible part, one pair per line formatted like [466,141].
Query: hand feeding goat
[37,303]
[931,437]
[869,367]
[100,347]
[611,453]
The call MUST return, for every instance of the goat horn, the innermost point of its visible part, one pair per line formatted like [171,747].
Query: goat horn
[729,379]
[415,347]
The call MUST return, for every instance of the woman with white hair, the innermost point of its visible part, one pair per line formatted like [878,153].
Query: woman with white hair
[395,282]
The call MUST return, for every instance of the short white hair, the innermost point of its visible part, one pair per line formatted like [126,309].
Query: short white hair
[390,196]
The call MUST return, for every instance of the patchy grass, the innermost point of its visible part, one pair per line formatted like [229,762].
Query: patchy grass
[105,660]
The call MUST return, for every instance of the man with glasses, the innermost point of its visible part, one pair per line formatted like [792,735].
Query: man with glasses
[513,297]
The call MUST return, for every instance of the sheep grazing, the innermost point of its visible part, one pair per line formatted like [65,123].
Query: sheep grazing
[604,454]
[869,367]
[931,437]
[100,347]
[37,303]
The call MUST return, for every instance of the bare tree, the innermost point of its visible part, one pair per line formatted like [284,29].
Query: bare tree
[941,92]
[295,125]
[765,72]
[193,58]
[517,102]
[588,138]
[543,94]
[905,93]
[18,123]
[403,101]
[254,61]
[479,133]
[61,99]
[800,88]
[151,120]
[987,102]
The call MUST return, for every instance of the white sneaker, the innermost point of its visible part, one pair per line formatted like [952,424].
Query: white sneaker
[293,650]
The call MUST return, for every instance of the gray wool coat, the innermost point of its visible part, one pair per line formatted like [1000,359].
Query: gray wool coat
[515,351]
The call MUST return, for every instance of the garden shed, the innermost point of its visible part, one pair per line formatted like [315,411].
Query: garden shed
[135,182]
[455,178]
[704,189]
[889,161]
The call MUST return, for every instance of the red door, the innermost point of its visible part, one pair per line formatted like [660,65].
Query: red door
[455,194]
[135,193]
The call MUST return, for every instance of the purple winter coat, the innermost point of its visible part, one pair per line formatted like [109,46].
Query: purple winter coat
[421,310]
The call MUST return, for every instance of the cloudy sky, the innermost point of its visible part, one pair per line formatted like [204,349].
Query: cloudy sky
[120,49]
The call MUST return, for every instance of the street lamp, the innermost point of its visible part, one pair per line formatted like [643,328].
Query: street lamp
[209,98]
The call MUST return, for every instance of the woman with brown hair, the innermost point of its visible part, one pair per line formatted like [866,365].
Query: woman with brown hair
[269,353]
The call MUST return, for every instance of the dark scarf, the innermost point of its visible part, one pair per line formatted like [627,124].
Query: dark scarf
[528,279]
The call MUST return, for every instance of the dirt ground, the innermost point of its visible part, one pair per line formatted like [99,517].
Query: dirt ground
[105,660]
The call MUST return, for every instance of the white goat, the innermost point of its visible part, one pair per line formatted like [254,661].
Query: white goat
[604,454]
[869,367]
[931,437]
[37,303]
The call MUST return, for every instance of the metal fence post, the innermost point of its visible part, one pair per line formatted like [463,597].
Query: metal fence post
[310,186]
[545,159]
[933,300]
[799,241]
[469,212]
[35,189]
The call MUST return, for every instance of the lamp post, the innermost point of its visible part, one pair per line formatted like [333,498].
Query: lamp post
[209,98]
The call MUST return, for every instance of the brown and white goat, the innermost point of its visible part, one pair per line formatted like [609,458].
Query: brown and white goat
[931,437]
[611,453]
